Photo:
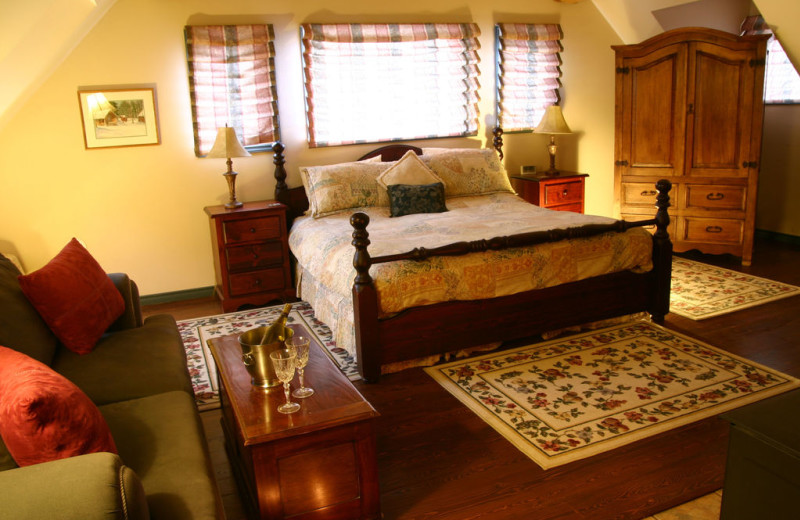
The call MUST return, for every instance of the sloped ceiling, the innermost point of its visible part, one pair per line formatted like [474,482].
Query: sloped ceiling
[36,36]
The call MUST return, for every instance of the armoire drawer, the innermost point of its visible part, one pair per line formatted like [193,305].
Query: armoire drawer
[718,231]
[643,194]
[715,197]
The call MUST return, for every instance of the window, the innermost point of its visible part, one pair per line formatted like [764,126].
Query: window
[782,84]
[232,82]
[386,82]
[528,72]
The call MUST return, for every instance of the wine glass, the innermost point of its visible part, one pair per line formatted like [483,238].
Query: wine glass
[300,344]
[284,362]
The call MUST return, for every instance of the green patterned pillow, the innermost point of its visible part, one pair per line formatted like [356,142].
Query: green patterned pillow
[337,187]
[467,172]
[407,199]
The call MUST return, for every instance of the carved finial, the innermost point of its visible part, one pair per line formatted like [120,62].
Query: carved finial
[497,142]
[281,188]
[662,203]
[361,259]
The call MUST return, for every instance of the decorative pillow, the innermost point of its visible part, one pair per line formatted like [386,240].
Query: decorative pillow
[470,171]
[408,170]
[405,199]
[342,186]
[44,416]
[75,297]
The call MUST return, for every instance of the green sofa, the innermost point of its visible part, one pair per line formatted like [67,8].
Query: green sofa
[137,376]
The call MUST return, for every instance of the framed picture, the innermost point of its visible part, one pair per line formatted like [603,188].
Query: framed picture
[119,117]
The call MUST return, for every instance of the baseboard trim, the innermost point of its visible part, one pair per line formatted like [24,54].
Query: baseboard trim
[777,237]
[177,296]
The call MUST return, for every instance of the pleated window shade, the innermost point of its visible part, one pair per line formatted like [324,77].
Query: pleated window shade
[782,80]
[369,83]
[528,72]
[232,82]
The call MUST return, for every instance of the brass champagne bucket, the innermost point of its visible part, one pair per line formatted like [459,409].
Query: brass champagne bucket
[255,356]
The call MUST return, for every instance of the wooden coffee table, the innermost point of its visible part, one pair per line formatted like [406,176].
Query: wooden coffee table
[318,463]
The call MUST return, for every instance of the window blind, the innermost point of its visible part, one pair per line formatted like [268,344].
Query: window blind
[386,82]
[782,80]
[232,82]
[528,72]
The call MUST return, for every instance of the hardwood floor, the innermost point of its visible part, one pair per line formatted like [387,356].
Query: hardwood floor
[437,460]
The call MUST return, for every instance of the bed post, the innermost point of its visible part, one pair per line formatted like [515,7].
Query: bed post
[281,188]
[365,303]
[662,255]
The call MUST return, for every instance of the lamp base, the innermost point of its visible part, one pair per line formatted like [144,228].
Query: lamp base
[230,176]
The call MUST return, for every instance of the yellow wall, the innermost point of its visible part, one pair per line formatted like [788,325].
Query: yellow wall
[779,175]
[140,209]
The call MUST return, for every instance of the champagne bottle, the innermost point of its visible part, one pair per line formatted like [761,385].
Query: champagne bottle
[278,330]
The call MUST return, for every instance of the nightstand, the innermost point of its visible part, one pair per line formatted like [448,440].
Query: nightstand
[563,192]
[251,254]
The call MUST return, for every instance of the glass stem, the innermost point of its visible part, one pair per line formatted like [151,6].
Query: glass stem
[302,384]
[286,392]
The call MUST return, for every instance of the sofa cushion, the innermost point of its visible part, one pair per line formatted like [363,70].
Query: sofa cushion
[161,438]
[21,327]
[74,296]
[45,417]
[130,363]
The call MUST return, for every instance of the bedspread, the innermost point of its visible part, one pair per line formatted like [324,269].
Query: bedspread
[325,256]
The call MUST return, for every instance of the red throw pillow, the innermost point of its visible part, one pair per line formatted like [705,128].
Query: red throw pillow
[75,297]
[44,416]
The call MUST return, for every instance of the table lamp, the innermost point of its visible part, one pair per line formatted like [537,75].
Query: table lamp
[227,145]
[552,123]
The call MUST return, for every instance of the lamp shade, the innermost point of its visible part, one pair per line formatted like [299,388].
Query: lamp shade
[227,145]
[553,122]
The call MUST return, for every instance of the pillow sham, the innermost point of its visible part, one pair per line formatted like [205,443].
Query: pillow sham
[406,199]
[469,171]
[408,170]
[336,187]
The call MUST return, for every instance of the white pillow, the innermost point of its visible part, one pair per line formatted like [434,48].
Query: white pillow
[408,170]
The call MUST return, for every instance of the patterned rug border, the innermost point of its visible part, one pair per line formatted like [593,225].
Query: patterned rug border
[547,461]
[195,333]
[769,291]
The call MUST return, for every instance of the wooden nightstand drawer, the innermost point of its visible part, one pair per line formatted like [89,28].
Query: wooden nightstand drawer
[564,192]
[717,231]
[256,281]
[255,256]
[252,229]
[706,196]
[575,207]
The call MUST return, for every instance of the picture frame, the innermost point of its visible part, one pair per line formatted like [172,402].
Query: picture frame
[112,118]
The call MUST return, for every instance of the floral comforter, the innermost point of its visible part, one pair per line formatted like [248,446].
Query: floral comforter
[324,255]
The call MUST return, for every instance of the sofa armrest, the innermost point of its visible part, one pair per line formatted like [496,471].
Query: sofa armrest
[132,317]
[87,487]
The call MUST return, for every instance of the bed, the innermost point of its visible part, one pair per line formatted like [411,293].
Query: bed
[346,268]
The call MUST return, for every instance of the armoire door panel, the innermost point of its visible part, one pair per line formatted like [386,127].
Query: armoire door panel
[720,105]
[653,122]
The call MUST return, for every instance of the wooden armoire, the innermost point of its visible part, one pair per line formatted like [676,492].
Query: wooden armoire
[689,108]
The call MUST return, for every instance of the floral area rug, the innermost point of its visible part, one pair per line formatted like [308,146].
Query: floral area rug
[702,291]
[196,333]
[575,397]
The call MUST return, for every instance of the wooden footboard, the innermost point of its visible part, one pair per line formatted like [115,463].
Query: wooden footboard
[439,328]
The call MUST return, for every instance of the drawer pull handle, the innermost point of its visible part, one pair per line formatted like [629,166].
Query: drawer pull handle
[715,196]
[564,193]
[257,282]
[621,163]
[252,230]
[714,229]
[649,193]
